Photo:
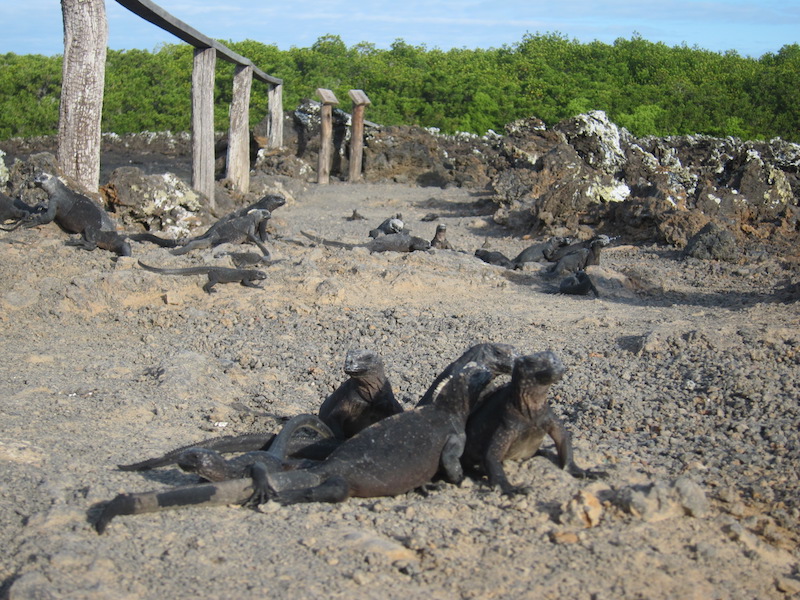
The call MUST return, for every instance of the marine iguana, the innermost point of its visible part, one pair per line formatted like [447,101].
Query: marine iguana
[232,230]
[270,202]
[581,258]
[75,213]
[221,231]
[365,398]
[215,275]
[391,242]
[540,252]
[498,358]
[440,241]
[535,253]
[562,251]
[493,257]
[211,466]
[13,210]
[391,457]
[391,225]
[514,419]
[579,284]
[361,400]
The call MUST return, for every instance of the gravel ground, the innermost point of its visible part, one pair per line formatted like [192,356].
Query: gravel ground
[683,385]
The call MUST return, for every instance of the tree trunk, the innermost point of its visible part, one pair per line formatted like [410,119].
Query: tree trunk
[84,70]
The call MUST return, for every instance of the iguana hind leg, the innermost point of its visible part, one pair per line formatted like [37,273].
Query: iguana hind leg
[333,489]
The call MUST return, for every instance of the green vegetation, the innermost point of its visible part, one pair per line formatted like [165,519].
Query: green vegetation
[650,88]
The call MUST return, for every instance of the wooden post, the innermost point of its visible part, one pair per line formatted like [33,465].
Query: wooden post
[238,171]
[326,135]
[205,60]
[360,101]
[275,98]
[81,108]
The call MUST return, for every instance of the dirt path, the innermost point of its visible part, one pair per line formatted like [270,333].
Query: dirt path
[689,374]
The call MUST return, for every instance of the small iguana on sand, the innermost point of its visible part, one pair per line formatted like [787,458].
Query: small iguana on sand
[215,275]
[75,213]
[440,241]
[494,257]
[391,457]
[512,421]
[361,400]
[391,242]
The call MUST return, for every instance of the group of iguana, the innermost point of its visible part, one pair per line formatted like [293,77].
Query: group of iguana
[363,444]
[77,214]
[568,258]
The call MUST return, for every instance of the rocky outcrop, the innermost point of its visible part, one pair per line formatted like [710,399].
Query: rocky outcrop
[588,172]
[583,176]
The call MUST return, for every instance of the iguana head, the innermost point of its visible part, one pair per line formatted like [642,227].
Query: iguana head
[359,362]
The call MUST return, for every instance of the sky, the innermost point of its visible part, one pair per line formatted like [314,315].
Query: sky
[750,27]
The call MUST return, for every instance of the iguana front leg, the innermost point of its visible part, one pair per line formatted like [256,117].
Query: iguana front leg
[493,461]
[563,442]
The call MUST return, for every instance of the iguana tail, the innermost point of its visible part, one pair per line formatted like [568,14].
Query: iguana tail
[232,491]
[149,237]
[281,447]
[324,242]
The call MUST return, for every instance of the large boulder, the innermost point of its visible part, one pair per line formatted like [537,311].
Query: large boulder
[153,202]
[713,242]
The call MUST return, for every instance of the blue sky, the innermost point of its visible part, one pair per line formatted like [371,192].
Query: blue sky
[750,27]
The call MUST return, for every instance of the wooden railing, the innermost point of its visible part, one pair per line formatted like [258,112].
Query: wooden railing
[205,56]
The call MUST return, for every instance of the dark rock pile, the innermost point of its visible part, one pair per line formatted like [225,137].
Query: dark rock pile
[583,176]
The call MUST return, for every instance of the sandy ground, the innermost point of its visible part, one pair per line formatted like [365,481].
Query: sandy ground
[683,385]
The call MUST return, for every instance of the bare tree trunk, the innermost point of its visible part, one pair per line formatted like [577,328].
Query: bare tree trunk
[84,70]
